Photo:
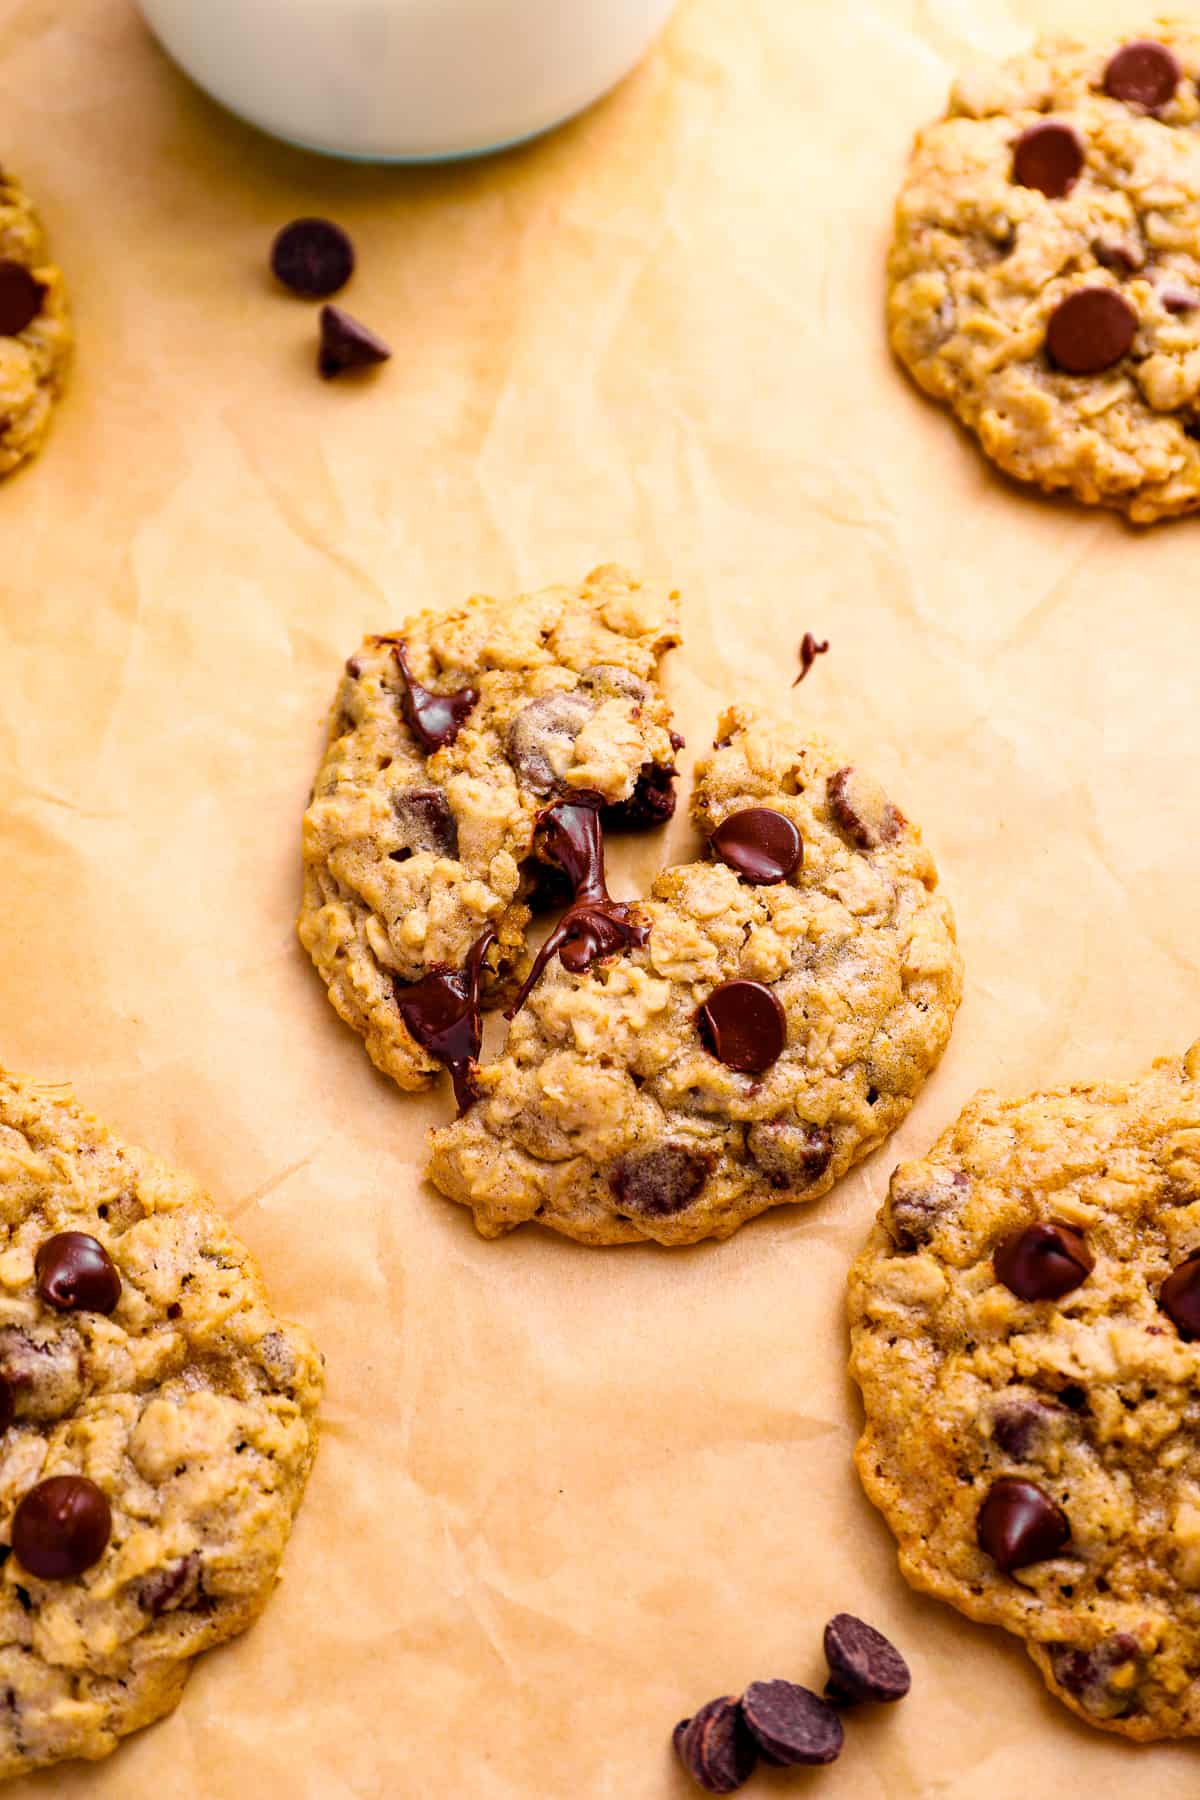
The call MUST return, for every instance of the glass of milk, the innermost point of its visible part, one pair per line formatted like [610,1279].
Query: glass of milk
[406,80]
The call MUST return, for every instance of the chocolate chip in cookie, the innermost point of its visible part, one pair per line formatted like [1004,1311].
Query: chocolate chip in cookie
[863,1664]
[542,734]
[173,1588]
[743,1025]
[1099,1677]
[791,1724]
[1048,156]
[1090,331]
[861,810]
[1144,74]
[435,720]
[1179,1298]
[763,846]
[661,1181]
[75,1273]
[1020,1524]
[21,296]
[919,1200]
[790,1155]
[442,1014]
[1044,1261]
[61,1527]
[426,822]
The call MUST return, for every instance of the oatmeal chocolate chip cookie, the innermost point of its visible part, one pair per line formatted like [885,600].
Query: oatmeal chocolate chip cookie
[35,330]
[446,741]
[754,1028]
[1026,1334]
[1045,273]
[157,1425]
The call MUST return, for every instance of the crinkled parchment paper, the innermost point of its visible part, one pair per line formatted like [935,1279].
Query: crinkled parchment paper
[564,1495]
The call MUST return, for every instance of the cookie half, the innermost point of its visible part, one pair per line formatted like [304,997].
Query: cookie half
[35,329]
[792,993]
[1026,1334]
[447,739]
[159,1425]
[1044,280]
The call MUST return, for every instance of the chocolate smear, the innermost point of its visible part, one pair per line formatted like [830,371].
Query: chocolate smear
[809,651]
[435,720]
[442,1013]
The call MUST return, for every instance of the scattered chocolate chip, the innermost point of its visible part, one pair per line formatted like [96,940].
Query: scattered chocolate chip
[1049,157]
[442,1014]
[863,1664]
[762,845]
[312,257]
[791,1724]
[1043,1262]
[651,804]
[1179,300]
[43,1374]
[61,1527]
[1090,330]
[744,1026]
[541,735]
[1142,74]
[7,1403]
[435,720]
[346,343]
[75,1273]
[660,1182]
[1088,1674]
[426,823]
[1019,1524]
[861,810]
[1017,1426]
[716,1749]
[21,296]
[1179,1297]
[809,651]
[790,1155]
[919,1199]
[1120,258]
[173,1587]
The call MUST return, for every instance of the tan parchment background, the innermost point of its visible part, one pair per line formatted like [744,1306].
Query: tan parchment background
[565,1495]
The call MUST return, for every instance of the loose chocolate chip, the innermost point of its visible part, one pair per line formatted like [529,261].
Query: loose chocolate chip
[809,651]
[1016,1427]
[172,1587]
[791,1724]
[1044,1261]
[346,343]
[919,1199]
[1049,157]
[1090,331]
[1143,74]
[790,1155]
[312,257]
[863,1664]
[442,1013]
[425,820]
[435,720]
[662,1181]
[7,1403]
[541,735]
[744,1026]
[21,296]
[763,846]
[716,1749]
[75,1273]
[651,804]
[1088,1674]
[1018,1524]
[61,1527]
[861,810]
[1179,1297]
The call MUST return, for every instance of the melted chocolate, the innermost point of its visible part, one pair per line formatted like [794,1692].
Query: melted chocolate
[595,924]
[442,1013]
[435,720]
[810,649]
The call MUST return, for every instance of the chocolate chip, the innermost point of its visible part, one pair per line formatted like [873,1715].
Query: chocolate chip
[1179,1297]
[1090,331]
[1019,1524]
[541,736]
[1044,1261]
[7,1403]
[346,343]
[863,1664]
[61,1527]
[21,296]
[762,845]
[426,823]
[861,810]
[919,1200]
[716,1749]
[608,681]
[1142,74]
[1049,157]
[312,257]
[791,1724]
[1120,258]
[1179,300]
[435,720]
[651,804]
[1088,1674]
[809,651]
[677,1735]
[1017,1426]
[75,1273]
[790,1155]
[660,1182]
[172,1587]
[442,1014]
[43,1374]
[743,1025]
